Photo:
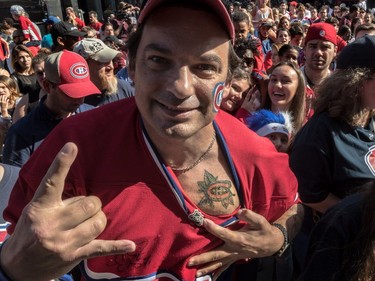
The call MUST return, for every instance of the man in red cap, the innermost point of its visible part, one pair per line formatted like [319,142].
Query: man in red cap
[67,82]
[320,50]
[162,187]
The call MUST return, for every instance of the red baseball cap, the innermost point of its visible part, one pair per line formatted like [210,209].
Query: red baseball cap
[216,6]
[322,31]
[70,72]
[293,3]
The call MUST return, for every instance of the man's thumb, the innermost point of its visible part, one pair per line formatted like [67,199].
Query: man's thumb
[51,188]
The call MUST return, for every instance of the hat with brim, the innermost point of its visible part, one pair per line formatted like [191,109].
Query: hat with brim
[95,49]
[63,28]
[359,53]
[321,31]
[70,72]
[216,6]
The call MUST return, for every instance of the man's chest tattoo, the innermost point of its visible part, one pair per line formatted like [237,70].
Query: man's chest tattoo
[215,190]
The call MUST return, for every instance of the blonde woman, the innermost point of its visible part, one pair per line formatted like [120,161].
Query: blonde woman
[260,12]
[9,97]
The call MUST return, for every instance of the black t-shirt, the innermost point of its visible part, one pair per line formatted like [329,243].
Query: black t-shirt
[330,156]
[333,241]
[26,83]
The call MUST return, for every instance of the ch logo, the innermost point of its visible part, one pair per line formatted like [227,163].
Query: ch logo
[370,159]
[217,94]
[79,70]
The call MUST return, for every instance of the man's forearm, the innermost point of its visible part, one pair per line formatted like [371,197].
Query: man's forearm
[292,220]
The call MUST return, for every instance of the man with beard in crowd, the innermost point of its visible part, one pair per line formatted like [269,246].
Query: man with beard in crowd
[99,59]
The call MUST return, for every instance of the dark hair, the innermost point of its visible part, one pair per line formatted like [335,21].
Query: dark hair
[95,14]
[239,16]
[332,20]
[283,29]
[353,8]
[8,22]
[285,48]
[324,7]
[295,29]
[15,53]
[365,27]
[242,45]
[363,268]
[343,29]
[39,58]
[102,28]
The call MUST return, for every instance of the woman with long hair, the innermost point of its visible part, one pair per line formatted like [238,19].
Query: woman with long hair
[9,96]
[23,72]
[333,155]
[285,92]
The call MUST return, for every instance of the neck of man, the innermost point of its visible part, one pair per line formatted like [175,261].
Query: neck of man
[315,77]
[180,151]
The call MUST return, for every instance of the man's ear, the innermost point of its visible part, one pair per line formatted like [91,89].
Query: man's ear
[60,41]
[47,85]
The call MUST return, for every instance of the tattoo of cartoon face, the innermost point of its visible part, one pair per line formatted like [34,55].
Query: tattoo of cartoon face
[215,190]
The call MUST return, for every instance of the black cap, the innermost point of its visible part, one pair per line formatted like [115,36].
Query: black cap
[63,28]
[359,53]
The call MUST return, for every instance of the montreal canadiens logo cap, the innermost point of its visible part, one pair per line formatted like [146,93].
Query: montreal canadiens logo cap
[71,74]
[79,70]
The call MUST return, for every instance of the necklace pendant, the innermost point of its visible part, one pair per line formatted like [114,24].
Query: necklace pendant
[196,217]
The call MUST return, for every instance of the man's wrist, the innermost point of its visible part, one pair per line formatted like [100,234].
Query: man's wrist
[3,275]
[285,245]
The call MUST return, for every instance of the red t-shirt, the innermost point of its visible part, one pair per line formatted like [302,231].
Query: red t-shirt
[115,163]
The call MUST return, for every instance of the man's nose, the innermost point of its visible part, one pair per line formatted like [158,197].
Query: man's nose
[182,84]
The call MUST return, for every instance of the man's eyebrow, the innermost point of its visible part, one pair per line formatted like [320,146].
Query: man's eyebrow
[158,48]
[326,44]
[212,58]
[167,51]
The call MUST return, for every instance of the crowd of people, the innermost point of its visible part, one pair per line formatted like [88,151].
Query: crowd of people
[141,146]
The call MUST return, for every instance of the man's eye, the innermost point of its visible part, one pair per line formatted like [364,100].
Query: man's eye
[156,59]
[207,67]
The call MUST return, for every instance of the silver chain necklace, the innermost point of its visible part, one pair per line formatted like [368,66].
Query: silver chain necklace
[185,169]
